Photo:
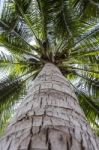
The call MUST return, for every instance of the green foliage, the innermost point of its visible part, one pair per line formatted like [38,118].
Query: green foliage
[64,32]
[10,91]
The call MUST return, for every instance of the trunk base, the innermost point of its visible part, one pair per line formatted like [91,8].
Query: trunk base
[50,118]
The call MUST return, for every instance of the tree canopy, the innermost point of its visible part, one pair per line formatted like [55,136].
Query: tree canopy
[63,32]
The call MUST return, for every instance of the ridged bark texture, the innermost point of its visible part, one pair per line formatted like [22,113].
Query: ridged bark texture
[49,118]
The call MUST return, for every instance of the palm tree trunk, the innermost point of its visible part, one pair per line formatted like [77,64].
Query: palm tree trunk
[49,118]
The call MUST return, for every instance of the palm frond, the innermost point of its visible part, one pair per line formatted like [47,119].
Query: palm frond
[90,107]
[10,92]
[87,9]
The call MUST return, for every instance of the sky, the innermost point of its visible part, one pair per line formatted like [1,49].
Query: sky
[1,5]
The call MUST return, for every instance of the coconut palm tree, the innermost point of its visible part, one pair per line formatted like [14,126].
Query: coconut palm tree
[53,60]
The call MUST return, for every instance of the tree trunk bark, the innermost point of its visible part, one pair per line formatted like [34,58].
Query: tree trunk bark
[49,118]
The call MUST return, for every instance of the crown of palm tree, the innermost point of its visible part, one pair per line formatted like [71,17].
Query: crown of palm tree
[63,32]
